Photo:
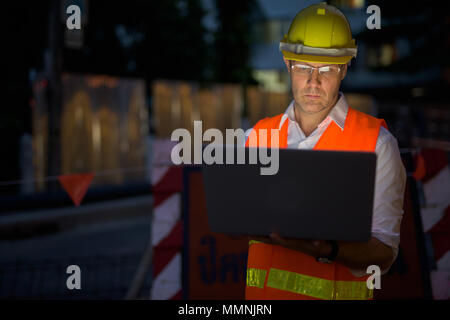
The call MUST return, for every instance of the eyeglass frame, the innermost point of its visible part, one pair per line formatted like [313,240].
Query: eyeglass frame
[311,68]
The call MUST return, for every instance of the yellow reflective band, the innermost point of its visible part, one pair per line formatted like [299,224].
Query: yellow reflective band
[256,277]
[253,241]
[352,290]
[318,287]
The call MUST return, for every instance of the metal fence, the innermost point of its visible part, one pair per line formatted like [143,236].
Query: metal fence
[102,277]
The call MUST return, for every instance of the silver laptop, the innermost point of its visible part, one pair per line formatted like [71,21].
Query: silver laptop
[323,195]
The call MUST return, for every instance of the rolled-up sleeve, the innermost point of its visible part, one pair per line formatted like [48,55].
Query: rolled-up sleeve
[390,184]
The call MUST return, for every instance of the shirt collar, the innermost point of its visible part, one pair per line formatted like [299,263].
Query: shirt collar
[338,113]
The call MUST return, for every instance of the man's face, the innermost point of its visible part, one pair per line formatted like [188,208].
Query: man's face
[314,92]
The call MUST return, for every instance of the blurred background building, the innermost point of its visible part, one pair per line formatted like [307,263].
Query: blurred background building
[94,100]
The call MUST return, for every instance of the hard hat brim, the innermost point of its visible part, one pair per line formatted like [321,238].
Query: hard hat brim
[316,59]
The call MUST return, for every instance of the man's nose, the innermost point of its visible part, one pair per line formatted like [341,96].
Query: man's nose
[314,78]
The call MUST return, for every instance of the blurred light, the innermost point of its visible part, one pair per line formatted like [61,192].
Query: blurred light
[102,81]
[96,135]
[78,115]
[352,4]
[417,92]
[387,55]
[272,80]
[357,4]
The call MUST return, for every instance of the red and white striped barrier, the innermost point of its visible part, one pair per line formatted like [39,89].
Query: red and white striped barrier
[167,228]
[436,216]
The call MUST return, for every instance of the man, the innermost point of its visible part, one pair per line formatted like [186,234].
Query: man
[316,52]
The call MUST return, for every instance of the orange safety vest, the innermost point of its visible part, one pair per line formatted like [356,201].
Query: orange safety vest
[275,272]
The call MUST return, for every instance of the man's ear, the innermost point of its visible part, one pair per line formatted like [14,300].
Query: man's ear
[287,63]
[344,72]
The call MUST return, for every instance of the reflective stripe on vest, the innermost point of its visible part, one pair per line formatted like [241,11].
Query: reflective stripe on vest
[256,277]
[309,286]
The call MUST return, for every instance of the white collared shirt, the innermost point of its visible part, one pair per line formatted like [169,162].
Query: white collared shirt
[390,173]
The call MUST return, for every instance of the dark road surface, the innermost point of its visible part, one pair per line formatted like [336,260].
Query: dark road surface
[107,252]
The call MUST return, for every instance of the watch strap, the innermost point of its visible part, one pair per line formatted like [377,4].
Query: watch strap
[333,254]
[334,250]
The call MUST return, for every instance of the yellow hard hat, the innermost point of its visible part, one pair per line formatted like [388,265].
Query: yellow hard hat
[319,33]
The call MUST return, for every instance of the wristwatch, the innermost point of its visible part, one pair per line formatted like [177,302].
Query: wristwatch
[332,256]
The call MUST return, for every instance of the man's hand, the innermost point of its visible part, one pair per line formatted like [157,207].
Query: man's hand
[314,248]
[355,255]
